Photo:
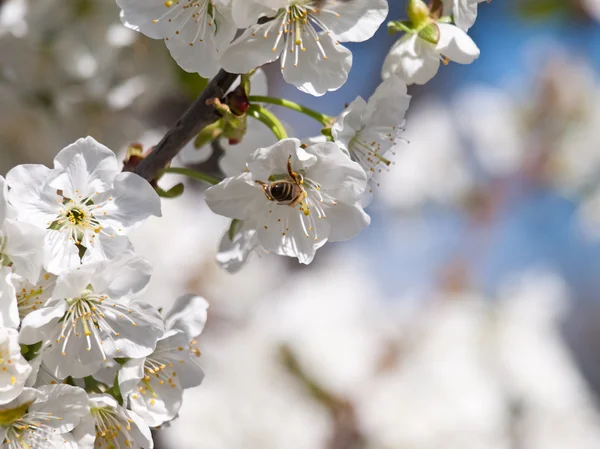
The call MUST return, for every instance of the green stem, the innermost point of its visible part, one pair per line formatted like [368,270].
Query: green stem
[193,174]
[324,119]
[269,119]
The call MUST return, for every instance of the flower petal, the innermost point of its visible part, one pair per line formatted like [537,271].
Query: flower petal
[254,48]
[235,197]
[87,167]
[412,59]
[188,315]
[355,21]
[318,71]
[456,44]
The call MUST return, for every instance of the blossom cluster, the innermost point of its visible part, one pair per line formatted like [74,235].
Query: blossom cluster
[85,362]
[290,196]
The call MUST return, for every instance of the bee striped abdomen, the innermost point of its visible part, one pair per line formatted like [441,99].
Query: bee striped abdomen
[282,191]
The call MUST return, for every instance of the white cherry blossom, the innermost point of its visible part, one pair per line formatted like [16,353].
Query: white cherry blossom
[295,198]
[14,369]
[304,36]
[195,31]
[83,202]
[42,418]
[416,60]
[367,132]
[93,315]
[112,426]
[464,12]
[154,385]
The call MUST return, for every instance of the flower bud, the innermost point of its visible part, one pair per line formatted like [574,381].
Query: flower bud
[418,12]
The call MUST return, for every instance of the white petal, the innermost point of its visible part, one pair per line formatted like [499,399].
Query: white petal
[348,123]
[38,324]
[235,197]
[74,282]
[24,248]
[456,44]
[318,72]
[338,175]
[68,403]
[9,312]
[88,167]
[137,333]
[126,275]
[247,12]
[233,254]
[390,96]
[14,368]
[140,15]
[268,161]
[252,49]
[196,45]
[282,233]
[3,199]
[34,201]
[106,247]
[130,375]
[414,60]
[465,13]
[133,201]
[60,252]
[354,21]
[346,221]
[188,315]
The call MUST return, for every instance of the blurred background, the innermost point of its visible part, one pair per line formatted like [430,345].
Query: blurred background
[466,316]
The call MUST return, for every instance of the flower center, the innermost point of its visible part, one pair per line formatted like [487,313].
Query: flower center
[86,318]
[27,430]
[112,428]
[296,23]
[368,154]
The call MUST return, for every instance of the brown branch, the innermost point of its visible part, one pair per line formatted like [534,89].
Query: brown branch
[198,116]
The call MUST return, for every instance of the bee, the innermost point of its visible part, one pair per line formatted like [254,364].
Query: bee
[288,192]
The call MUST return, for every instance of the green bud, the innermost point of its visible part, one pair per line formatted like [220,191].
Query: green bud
[418,12]
[431,33]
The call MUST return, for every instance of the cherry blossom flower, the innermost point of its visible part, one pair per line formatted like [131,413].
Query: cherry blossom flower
[295,198]
[93,315]
[416,60]
[14,369]
[154,385]
[43,418]
[305,38]
[195,31]
[84,202]
[112,426]
[367,132]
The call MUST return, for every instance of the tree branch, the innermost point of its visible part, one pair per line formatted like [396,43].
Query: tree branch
[198,116]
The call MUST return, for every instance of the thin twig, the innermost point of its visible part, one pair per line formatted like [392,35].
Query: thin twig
[197,116]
